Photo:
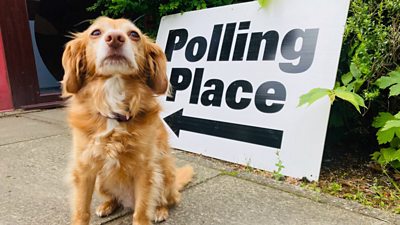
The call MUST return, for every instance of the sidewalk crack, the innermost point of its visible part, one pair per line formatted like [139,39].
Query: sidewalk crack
[32,139]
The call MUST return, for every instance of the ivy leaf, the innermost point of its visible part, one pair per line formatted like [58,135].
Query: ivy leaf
[346,78]
[313,96]
[381,119]
[351,97]
[264,3]
[392,81]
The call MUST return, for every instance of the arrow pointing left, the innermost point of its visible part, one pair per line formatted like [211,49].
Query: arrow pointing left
[238,132]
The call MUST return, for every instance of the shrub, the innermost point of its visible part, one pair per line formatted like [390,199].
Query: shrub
[153,10]
[369,71]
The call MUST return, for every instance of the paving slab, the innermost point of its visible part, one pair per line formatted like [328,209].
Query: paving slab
[228,200]
[33,183]
[201,173]
[16,129]
[55,116]
[33,186]
[227,169]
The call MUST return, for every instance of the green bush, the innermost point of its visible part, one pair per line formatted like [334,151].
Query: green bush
[371,64]
[369,72]
[153,10]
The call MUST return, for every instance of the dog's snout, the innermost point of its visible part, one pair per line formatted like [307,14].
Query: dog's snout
[115,40]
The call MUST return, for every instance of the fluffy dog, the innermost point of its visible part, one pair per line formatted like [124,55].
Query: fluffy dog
[113,74]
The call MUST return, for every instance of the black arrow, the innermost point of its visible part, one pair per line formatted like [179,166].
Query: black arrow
[255,135]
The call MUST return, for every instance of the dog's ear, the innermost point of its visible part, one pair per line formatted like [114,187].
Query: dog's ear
[74,63]
[157,68]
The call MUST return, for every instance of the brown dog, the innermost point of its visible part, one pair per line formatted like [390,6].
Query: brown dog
[112,76]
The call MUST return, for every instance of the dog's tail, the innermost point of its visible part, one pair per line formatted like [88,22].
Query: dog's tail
[183,176]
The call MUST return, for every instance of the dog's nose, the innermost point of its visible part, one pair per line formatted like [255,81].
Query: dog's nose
[115,40]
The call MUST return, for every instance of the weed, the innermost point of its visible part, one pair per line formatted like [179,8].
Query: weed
[334,188]
[359,196]
[313,186]
[277,174]
[230,173]
[247,167]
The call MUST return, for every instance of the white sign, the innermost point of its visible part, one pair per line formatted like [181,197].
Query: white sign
[238,72]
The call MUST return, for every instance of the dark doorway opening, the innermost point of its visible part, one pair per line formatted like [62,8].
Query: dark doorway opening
[50,23]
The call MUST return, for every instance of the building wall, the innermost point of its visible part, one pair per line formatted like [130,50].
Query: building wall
[5,93]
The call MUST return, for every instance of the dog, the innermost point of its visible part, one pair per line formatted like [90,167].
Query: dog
[113,75]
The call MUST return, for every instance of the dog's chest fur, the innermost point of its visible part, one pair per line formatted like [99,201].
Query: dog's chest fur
[118,146]
[111,141]
[114,93]
[114,98]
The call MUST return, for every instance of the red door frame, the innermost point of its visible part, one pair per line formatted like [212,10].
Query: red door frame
[19,57]
[5,93]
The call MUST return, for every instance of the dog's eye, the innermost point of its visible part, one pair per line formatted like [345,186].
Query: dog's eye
[134,35]
[96,32]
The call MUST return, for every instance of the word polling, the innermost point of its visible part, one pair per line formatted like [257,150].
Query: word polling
[233,43]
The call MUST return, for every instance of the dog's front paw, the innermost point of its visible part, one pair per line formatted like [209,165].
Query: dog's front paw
[81,219]
[106,208]
[136,222]
[141,220]
[80,223]
[161,214]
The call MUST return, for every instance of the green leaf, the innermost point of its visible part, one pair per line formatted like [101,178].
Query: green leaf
[385,136]
[384,82]
[392,80]
[396,155]
[395,143]
[264,3]
[389,154]
[381,119]
[394,90]
[355,71]
[346,78]
[391,124]
[395,164]
[313,96]
[350,87]
[357,84]
[337,84]
[375,155]
[351,97]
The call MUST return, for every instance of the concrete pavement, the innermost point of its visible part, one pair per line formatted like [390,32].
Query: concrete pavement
[34,152]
